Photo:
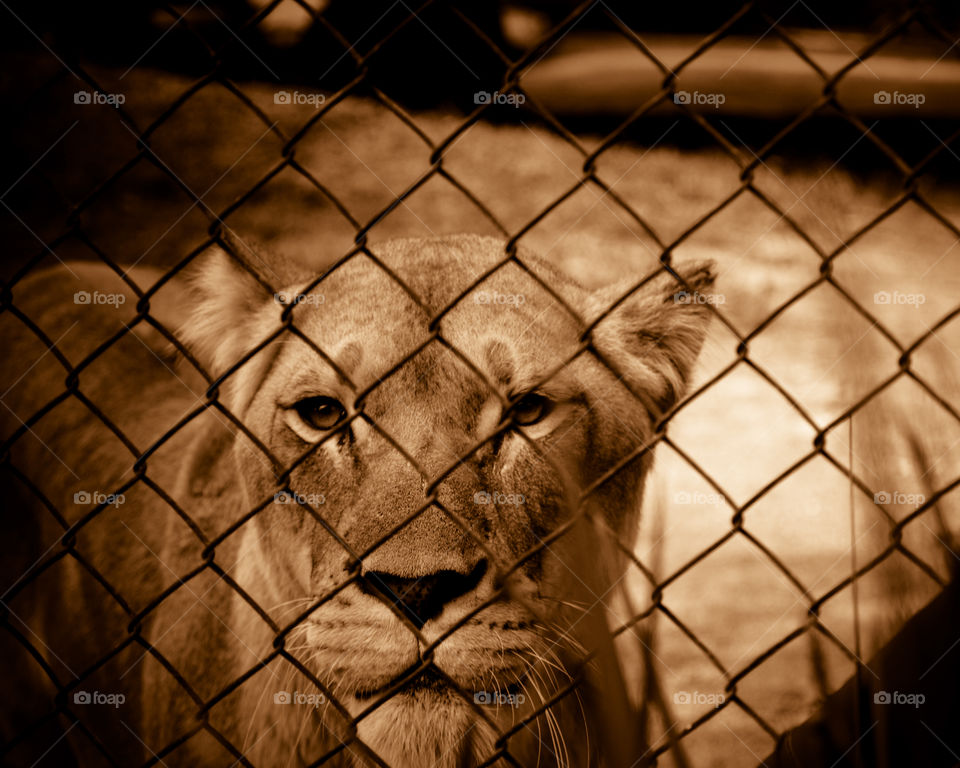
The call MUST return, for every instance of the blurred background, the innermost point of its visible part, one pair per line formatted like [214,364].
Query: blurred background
[809,148]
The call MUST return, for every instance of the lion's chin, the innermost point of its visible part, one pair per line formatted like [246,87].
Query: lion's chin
[425,725]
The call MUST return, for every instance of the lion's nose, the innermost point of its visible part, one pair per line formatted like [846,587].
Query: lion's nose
[422,598]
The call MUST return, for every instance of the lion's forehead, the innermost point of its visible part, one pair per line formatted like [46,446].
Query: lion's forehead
[416,282]
[370,338]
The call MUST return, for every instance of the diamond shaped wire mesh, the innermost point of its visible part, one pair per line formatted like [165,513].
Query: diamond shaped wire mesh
[285,156]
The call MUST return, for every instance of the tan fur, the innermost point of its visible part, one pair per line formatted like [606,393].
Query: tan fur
[434,407]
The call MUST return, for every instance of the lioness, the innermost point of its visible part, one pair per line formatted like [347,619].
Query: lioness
[359,537]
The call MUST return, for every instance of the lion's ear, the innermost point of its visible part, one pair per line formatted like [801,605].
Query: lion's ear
[654,334]
[225,304]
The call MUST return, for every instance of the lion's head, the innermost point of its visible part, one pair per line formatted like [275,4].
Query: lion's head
[418,447]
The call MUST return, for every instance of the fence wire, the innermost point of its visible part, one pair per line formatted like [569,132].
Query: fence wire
[362,66]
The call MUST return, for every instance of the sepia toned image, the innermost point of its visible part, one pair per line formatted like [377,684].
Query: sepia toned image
[466,383]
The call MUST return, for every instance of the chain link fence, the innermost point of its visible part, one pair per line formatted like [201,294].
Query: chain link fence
[633,719]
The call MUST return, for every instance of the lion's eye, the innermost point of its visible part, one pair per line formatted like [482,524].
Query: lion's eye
[530,409]
[321,413]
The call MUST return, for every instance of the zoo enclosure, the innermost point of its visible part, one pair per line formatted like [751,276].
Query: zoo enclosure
[362,66]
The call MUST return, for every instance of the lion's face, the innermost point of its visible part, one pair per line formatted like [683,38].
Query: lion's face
[443,462]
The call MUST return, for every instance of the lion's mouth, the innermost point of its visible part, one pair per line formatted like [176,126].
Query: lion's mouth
[364,648]
[429,682]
